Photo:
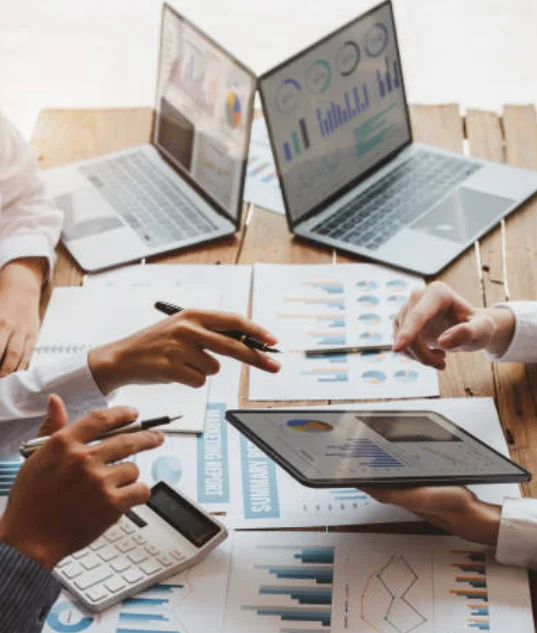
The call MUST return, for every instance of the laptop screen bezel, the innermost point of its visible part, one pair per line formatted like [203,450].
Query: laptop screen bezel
[219,208]
[361,177]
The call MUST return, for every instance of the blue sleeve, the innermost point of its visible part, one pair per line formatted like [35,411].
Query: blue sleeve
[27,592]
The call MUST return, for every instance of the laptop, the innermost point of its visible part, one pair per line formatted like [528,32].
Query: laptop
[186,186]
[352,177]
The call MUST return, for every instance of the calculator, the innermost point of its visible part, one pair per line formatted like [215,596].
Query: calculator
[161,538]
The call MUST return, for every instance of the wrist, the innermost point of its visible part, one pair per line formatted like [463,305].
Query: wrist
[485,519]
[25,274]
[107,366]
[44,556]
[505,322]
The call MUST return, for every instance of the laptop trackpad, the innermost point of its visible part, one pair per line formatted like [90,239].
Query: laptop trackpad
[86,213]
[463,215]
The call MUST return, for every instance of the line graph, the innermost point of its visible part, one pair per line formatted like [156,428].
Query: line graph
[385,601]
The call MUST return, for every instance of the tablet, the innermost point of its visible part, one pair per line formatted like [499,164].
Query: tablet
[332,449]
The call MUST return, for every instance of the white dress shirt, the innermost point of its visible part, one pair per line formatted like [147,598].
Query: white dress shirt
[517,540]
[29,223]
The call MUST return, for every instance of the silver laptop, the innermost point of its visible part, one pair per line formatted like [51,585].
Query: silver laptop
[352,178]
[185,187]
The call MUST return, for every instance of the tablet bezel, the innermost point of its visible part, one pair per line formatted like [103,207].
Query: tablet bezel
[386,482]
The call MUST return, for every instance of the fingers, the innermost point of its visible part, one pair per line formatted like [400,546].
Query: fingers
[230,321]
[121,446]
[13,354]
[423,307]
[123,474]
[98,422]
[56,418]
[27,353]
[133,495]
[229,347]
[204,363]
[420,351]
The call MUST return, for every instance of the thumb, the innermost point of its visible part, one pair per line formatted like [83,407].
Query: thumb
[470,336]
[56,417]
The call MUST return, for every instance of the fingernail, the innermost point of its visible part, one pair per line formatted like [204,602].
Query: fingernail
[159,436]
[134,412]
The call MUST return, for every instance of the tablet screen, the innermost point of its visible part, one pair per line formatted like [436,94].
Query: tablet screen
[344,446]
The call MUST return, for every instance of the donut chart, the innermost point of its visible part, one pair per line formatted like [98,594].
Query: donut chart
[309,426]
[233,110]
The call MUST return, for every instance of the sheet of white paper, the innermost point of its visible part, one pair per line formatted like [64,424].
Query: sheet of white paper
[262,187]
[91,316]
[275,582]
[323,306]
[271,498]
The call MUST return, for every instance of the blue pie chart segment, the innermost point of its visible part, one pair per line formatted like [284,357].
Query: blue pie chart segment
[167,468]
[65,617]
[374,377]
[309,426]
[407,375]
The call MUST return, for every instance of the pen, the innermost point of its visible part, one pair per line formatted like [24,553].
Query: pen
[249,341]
[333,351]
[31,446]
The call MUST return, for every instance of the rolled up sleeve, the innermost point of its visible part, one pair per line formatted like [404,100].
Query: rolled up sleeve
[523,346]
[517,538]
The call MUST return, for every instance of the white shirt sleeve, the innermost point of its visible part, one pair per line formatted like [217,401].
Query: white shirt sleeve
[24,394]
[29,223]
[523,346]
[517,539]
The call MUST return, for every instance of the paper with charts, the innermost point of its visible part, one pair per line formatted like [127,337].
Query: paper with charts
[277,582]
[262,187]
[323,306]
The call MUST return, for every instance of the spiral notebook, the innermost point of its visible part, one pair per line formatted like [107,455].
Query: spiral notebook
[81,318]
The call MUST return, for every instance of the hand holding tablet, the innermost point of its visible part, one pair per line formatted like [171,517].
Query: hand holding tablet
[333,449]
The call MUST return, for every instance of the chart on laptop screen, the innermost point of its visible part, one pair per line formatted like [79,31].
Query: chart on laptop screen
[204,110]
[336,110]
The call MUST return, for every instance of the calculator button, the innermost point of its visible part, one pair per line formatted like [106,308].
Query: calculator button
[126,545]
[72,571]
[127,527]
[150,567]
[177,554]
[165,560]
[132,576]
[98,544]
[113,534]
[64,562]
[81,553]
[96,593]
[114,584]
[140,539]
[108,553]
[92,578]
[151,549]
[90,562]
[138,556]
[120,564]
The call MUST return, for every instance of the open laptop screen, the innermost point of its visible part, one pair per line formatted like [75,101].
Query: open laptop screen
[336,110]
[204,112]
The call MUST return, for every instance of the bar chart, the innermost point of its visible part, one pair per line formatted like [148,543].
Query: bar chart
[150,611]
[369,452]
[9,469]
[299,141]
[353,103]
[471,588]
[189,74]
[388,79]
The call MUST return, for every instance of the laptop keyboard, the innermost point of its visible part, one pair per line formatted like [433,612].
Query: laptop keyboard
[396,200]
[147,199]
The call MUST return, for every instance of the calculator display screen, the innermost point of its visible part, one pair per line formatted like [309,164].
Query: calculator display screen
[182,515]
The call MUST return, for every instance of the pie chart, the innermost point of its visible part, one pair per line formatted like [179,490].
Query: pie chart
[167,468]
[65,617]
[233,110]
[310,426]
[374,377]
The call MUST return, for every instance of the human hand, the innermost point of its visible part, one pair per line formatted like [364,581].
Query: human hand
[20,291]
[436,320]
[173,350]
[452,508]
[68,493]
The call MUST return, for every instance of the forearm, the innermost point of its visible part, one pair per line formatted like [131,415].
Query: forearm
[26,273]
[27,592]
[504,320]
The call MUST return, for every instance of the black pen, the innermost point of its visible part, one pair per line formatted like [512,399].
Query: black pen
[249,341]
[31,446]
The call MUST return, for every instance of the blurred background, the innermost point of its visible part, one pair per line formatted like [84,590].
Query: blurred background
[97,53]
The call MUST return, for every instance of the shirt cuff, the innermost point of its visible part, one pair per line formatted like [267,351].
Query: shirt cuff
[70,378]
[24,245]
[27,592]
[523,346]
[517,539]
